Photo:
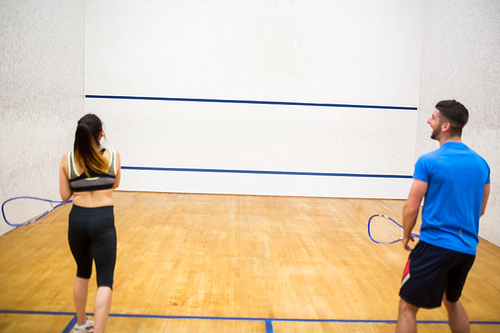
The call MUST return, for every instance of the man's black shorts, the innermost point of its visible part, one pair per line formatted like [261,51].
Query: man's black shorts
[432,271]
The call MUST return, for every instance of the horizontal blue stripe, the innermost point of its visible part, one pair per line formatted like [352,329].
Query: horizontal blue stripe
[48,313]
[270,319]
[261,172]
[117,315]
[209,100]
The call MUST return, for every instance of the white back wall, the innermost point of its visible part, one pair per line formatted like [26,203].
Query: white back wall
[41,93]
[265,97]
[461,60]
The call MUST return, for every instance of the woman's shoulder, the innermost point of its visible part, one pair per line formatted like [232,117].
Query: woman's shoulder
[65,156]
[111,154]
[109,151]
[64,161]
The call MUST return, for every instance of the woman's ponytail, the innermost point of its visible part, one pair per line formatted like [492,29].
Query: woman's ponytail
[86,147]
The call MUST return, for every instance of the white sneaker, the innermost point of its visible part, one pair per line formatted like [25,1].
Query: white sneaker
[88,327]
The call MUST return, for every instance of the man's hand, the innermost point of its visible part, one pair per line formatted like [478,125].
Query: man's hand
[405,242]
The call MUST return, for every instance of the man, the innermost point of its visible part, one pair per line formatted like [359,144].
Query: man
[455,182]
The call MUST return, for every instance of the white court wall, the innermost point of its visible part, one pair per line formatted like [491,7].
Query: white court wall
[308,55]
[41,93]
[461,60]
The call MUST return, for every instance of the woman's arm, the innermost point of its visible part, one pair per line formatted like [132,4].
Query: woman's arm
[118,170]
[64,188]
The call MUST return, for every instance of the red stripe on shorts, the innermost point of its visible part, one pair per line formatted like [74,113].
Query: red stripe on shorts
[406,273]
[407,269]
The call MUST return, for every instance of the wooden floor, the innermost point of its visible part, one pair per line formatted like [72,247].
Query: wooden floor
[228,263]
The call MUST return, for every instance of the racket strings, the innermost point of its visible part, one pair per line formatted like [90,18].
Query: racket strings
[25,210]
[384,230]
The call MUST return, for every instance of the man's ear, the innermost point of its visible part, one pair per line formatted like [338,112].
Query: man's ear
[445,126]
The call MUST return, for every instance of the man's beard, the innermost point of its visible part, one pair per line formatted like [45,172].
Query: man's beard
[435,133]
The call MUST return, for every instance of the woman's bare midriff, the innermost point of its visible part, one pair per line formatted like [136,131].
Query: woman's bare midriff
[91,199]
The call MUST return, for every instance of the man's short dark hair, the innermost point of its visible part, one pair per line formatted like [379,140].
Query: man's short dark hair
[454,113]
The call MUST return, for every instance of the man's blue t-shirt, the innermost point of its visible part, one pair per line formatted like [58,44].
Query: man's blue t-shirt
[456,176]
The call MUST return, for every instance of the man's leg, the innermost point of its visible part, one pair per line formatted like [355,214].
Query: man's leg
[457,317]
[407,318]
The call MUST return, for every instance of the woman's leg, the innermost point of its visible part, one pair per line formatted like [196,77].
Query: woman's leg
[103,235]
[80,291]
[80,248]
[101,308]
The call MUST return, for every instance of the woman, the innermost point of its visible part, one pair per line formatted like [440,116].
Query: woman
[89,174]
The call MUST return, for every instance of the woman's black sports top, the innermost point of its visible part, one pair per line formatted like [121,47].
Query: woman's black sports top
[97,181]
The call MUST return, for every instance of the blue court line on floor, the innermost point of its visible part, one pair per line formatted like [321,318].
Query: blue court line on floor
[70,326]
[266,320]
[26,312]
[269,326]
[232,101]
[262,172]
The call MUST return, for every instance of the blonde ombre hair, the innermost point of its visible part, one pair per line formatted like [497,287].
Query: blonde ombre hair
[87,147]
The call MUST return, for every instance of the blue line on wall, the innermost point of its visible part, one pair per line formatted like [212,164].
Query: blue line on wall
[208,100]
[261,172]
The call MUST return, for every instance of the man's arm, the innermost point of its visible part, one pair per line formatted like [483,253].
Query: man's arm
[410,209]
[486,194]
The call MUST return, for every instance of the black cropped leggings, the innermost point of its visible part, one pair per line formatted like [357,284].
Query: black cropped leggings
[92,236]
